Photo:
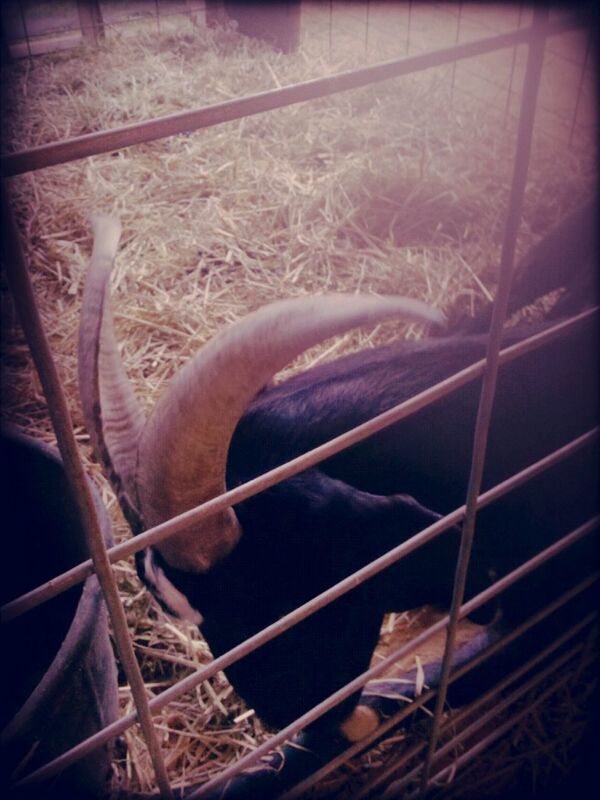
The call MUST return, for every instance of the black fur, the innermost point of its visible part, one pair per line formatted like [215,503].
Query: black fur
[312,530]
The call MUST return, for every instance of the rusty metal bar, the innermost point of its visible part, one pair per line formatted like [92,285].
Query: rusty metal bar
[67,579]
[532,79]
[393,721]
[25,29]
[137,133]
[24,299]
[401,783]
[499,732]
[323,456]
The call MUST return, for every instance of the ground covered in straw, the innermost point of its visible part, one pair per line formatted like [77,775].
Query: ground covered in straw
[388,189]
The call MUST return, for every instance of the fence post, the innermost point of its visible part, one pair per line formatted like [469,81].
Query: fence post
[90,20]
[24,300]
[520,169]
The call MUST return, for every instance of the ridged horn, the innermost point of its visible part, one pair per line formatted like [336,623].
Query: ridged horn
[184,445]
[177,458]
[113,418]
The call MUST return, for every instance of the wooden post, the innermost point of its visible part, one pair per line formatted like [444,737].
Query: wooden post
[90,20]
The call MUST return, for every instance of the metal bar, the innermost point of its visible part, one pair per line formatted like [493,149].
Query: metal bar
[363,744]
[488,390]
[24,299]
[373,672]
[512,70]
[503,728]
[69,578]
[456,40]
[580,90]
[506,702]
[25,29]
[124,550]
[284,623]
[106,141]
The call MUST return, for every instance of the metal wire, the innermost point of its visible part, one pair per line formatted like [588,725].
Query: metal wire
[532,80]
[154,535]
[24,299]
[222,662]
[503,728]
[501,706]
[580,89]
[364,744]
[95,143]
[138,133]
[512,70]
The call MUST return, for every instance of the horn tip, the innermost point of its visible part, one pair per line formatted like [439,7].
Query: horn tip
[107,232]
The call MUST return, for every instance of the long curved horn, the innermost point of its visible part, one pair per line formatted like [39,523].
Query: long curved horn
[184,445]
[111,413]
[177,459]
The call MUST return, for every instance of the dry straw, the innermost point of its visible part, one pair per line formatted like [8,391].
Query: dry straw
[384,189]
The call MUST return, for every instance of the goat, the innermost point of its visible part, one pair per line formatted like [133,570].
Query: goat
[220,424]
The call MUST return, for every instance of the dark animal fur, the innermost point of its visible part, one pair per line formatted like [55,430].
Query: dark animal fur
[312,530]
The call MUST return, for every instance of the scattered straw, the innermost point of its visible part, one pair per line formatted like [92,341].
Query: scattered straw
[385,189]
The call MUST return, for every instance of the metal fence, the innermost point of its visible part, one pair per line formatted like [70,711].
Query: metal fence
[533,35]
[372,29]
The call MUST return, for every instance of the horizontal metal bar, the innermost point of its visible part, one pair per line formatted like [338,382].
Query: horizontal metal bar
[504,727]
[487,397]
[482,744]
[502,705]
[373,672]
[284,623]
[157,534]
[393,721]
[24,299]
[137,133]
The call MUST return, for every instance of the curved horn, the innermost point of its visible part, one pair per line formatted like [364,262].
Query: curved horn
[184,445]
[111,413]
[177,459]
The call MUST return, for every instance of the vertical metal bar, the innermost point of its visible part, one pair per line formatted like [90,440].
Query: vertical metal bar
[24,299]
[330,27]
[456,40]
[512,71]
[25,29]
[580,90]
[368,9]
[408,24]
[524,139]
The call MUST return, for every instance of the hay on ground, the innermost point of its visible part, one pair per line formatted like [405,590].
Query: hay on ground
[379,190]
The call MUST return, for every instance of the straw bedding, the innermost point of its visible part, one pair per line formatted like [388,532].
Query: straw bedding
[385,189]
